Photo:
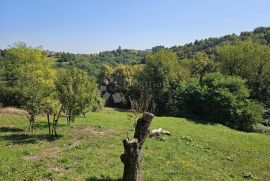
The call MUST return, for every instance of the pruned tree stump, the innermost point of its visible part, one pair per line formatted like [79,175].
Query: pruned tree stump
[132,157]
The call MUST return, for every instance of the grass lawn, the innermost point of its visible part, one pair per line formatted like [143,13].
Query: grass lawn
[90,148]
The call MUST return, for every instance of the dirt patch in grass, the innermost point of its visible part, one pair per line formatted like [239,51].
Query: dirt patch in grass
[84,129]
[60,171]
[53,152]
[12,111]
[79,135]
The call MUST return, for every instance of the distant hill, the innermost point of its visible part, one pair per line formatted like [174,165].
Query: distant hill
[260,35]
[91,63]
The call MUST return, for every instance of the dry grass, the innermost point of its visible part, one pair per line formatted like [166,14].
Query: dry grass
[53,152]
[12,111]
[92,130]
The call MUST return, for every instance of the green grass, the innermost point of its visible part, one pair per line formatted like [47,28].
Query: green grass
[90,148]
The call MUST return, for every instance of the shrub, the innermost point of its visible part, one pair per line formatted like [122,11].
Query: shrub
[260,128]
[218,99]
[251,115]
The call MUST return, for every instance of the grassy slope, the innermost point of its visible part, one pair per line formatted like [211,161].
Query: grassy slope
[90,150]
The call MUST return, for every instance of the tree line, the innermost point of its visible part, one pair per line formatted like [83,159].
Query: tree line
[232,89]
[220,80]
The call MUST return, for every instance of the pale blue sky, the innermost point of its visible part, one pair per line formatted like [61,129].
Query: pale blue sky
[88,26]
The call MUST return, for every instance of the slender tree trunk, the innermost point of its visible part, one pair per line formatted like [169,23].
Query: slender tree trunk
[55,122]
[53,125]
[32,122]
[69,116]
[49,123]
[131,157]
[67,120]
[55,128]
[72,117]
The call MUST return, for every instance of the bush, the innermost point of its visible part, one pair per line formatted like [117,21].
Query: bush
[260,128]
[251,115]
[218,99]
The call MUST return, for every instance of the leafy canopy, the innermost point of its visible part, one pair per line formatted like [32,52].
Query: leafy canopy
[29,75]
[76,91]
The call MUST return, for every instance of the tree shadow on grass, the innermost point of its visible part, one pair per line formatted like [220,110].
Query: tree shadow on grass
[200,121]
[101,179]
[10,129]
[44,125]
[28,138]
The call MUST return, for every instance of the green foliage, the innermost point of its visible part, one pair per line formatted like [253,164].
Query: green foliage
[161,72]
[260,128]
[251,115]
[157,48]
[67,57]
[29,76]
[259,35]
[105,72]
[251,61]
[125,78]
[218,99]
[201,64]
[77,92]
[92,63]
[161,75]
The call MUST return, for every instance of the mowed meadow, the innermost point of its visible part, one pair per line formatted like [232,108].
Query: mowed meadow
[90,149]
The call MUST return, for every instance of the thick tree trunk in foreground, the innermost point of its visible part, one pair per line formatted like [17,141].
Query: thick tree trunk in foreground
[131,157]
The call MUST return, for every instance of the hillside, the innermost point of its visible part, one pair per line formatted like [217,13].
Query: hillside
[90,148]
[259,35]
[92,63]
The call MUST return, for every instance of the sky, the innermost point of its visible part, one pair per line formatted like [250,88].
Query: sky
[91,26]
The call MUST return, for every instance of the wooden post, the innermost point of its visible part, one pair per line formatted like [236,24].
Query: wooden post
[131,157]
